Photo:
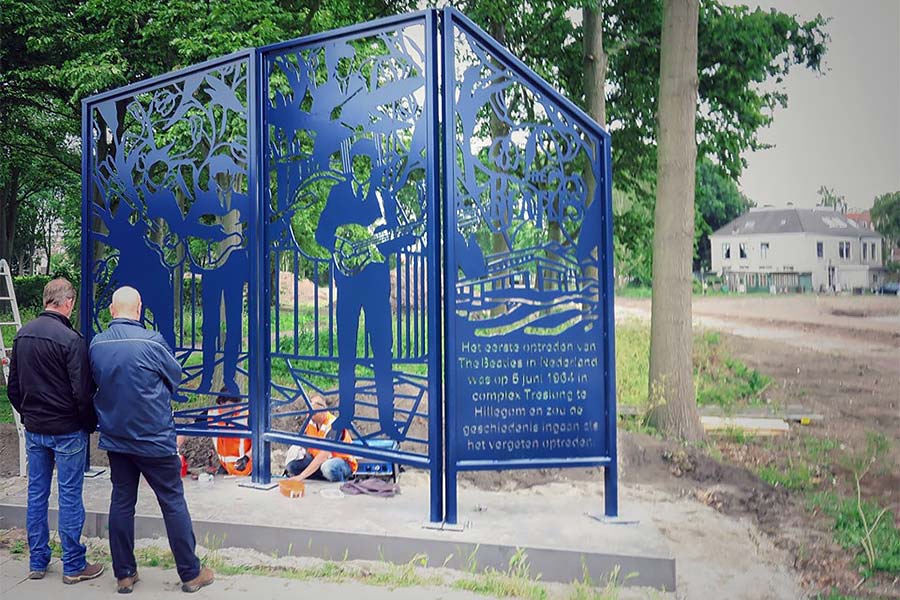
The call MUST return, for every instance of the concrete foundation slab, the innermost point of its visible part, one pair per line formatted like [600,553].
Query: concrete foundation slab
[551,524]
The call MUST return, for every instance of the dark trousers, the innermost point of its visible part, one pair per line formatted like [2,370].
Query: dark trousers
[164,476]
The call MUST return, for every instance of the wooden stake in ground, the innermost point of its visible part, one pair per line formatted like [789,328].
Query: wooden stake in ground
[671,339]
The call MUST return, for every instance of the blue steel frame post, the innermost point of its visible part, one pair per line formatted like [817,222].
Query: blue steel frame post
[611,470]
[435,362]
[448,176]
[87,281]
[257,292]
[84,315]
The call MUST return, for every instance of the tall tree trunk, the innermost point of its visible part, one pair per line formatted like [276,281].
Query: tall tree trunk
[48,249]
[595,65]
[671,337]
[9,210]
[499,129]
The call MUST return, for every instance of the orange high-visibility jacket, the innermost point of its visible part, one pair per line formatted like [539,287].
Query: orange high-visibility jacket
[314,430]
[229,449]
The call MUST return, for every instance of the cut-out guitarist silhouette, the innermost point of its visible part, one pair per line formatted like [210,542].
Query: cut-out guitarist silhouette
[360,227]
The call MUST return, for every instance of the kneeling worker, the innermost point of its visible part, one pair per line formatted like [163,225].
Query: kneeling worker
[234,453]
[321,464]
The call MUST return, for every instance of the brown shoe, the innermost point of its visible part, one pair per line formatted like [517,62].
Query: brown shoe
[37,574]
[126,584]
[89,572]
[205,578]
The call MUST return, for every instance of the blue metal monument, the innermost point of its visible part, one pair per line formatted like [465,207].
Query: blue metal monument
[286,213]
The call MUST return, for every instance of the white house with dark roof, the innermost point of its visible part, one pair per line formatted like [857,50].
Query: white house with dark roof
[794,249]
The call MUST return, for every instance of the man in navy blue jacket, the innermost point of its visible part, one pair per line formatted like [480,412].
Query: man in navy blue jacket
[137,375]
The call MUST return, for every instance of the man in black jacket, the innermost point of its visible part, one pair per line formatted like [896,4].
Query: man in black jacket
[50,386]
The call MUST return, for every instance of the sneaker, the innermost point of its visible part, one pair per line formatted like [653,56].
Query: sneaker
[126,584]
[89,572]
[205,578]
[37,574]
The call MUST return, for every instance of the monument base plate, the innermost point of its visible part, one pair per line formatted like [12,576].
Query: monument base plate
[619,520]
[258,486]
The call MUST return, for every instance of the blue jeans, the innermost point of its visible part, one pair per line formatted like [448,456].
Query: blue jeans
[163,473]
[68,451]
[333,469]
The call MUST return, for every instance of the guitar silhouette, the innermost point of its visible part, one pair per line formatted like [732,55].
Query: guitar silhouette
[356,247]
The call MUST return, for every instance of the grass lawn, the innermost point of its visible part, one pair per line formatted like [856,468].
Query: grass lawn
[718,378]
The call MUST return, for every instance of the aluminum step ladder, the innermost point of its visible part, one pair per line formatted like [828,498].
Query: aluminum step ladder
[9,295]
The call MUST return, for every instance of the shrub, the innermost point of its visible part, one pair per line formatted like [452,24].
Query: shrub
[30,290]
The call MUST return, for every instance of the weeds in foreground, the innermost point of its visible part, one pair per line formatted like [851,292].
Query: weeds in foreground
[154,556]
[515,581]
[834,595]
[586,590]
[408,574]
[736,435]
[863,526]
[885,554]
[799,477]
[720,379]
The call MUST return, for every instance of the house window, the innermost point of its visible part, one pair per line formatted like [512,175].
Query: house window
[743,250]
[874,257]
[844,250]
[865,247]
[820,252]
[764,250]
[726,251]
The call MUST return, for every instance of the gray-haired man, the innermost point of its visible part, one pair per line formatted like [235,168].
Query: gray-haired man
[50,385]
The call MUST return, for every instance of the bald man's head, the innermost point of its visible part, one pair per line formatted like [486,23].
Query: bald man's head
[126,303]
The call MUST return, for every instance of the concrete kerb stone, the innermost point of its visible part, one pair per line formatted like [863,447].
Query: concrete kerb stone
[561,544]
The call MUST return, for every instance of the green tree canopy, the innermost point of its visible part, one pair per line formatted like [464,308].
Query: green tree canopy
[828,197]
[886,216]
[53,53]
[718,201]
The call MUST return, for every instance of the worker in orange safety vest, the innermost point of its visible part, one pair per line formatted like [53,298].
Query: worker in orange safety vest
[234,453]
[312,463]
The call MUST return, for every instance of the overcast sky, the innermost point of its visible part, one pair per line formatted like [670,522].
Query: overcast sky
[841,129]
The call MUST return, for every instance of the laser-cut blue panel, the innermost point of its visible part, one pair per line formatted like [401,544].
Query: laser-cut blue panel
[528,300]
[168,209]
[350,219]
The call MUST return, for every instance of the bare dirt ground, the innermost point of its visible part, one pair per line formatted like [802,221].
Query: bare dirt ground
[836,356]
[868,326]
